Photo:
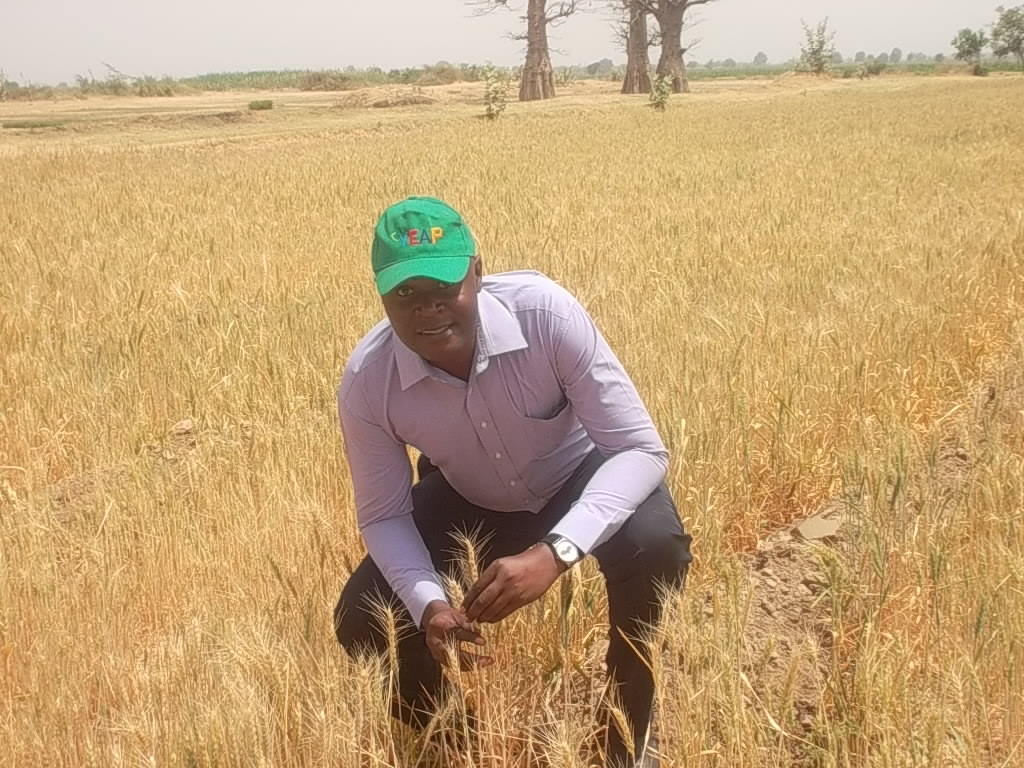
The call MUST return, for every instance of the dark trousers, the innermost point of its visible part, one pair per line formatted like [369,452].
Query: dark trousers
[650,550]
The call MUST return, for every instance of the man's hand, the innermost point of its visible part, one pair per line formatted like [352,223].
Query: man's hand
[445,628]
[507,584]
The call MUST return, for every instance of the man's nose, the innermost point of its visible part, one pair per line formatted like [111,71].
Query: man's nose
[429,305]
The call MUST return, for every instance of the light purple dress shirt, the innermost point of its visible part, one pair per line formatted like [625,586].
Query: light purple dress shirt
[545,389]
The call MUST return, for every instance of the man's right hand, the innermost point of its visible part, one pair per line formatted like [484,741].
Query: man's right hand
[445,628]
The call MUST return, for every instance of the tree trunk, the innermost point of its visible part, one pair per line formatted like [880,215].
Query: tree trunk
[638,75]
[538,75]
[671,63]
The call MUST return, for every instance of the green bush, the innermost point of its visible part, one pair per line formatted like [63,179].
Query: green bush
[261,104]
[496,86]
[661,89]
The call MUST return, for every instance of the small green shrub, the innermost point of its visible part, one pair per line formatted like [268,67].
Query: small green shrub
[816,52]
[495,92]
[261,104]
[661,89]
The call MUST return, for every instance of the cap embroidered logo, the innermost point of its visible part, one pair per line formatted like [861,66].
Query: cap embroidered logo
[418,236]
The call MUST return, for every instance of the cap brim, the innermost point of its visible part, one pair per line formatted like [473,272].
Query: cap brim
[448,269]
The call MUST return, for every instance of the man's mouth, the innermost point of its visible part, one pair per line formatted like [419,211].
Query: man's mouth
[438,330]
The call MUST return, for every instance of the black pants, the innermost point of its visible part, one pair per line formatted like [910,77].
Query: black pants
[649,550]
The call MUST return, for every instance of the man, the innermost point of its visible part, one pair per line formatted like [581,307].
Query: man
[541,444]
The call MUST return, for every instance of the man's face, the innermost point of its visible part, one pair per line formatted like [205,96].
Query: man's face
[437,320]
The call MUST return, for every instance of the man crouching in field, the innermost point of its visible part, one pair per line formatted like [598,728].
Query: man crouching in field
[542,444]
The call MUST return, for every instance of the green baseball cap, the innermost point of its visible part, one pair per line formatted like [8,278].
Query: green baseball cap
[420,237]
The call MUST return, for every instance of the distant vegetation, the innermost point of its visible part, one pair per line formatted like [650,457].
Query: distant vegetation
[443,73]
[817,55]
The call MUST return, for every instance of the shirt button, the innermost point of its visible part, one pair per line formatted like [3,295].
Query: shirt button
[483,424]
[512,483]
[497,455]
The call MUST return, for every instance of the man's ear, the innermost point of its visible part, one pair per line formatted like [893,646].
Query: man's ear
[478,273]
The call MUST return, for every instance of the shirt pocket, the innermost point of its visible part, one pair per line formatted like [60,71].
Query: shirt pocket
[532,392]
[543,437]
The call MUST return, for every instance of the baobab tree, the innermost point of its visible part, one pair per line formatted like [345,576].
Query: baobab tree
[538,80]
[637,41]
[671,17]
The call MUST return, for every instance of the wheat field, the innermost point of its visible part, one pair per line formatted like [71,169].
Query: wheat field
[818,292]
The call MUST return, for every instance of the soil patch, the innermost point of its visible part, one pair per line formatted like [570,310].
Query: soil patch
[200,120]
[72,497]
[383,98]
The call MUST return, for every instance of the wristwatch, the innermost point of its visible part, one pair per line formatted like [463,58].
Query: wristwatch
[567,554]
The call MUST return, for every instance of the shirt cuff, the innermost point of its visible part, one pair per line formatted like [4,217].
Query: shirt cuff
[423,593]
[588,530]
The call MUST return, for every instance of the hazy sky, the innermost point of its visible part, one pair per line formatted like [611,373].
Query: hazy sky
[52,40]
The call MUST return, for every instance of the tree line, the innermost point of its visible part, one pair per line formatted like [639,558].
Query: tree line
[644,24]
[1006,39]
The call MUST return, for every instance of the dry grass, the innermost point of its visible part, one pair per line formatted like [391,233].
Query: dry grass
[812,292]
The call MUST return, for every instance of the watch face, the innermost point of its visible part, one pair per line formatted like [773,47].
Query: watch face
[566,551]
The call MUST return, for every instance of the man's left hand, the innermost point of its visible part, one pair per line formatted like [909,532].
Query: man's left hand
[509,583]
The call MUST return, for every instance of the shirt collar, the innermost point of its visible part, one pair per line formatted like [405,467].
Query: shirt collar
[497,332]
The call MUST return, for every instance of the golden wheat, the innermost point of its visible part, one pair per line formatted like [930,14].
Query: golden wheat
[814,292]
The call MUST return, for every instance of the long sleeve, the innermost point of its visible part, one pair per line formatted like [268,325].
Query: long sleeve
[382,482]
[610,409]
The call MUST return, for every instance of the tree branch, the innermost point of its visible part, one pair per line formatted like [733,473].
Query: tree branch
[654,37]
[484,7]
[653,8]
[564,10]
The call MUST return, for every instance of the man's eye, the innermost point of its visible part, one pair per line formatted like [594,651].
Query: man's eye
[404,292]
[445,286]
